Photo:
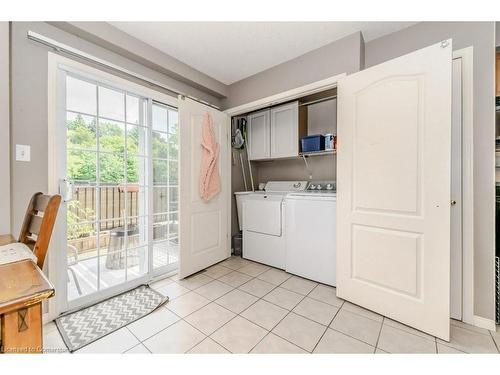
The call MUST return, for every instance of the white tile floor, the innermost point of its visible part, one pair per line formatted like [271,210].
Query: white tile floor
[238,306]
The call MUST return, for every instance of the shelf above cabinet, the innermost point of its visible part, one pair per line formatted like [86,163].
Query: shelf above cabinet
[299,156]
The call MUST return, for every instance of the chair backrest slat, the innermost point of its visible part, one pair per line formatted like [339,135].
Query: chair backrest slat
[39,219]
[41,202]
[35,224]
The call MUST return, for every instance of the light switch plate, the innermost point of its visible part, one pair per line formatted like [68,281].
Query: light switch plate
[23,153]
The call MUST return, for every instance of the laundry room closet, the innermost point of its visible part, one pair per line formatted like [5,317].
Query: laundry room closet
[276,154]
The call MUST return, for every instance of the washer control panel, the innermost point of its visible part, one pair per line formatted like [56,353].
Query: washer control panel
[322,186]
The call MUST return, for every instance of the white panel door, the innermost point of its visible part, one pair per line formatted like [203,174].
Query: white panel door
[204,226]
[259,133]
[393,173]
[285,130]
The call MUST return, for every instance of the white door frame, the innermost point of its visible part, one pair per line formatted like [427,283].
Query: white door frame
[286,96]
[467,56]
[56,257]
[468,315]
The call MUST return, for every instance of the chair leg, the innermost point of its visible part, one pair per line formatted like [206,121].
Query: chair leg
[77,283]
[22,330]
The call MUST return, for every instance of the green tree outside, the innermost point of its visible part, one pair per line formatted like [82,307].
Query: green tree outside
[81,165]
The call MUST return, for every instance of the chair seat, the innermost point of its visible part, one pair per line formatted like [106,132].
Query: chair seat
[15,252]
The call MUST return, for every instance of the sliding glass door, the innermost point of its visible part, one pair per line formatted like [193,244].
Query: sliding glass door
[165,162]
[121,165]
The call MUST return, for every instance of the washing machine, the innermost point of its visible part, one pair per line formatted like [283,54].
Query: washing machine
[311,237]
[263,221]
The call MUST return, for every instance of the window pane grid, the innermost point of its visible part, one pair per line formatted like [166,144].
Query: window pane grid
[158,159]
[110,169]
[111,159]
[165,186]
[102,118]
[72,148]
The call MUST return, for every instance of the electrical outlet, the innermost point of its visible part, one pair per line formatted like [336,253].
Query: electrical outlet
[23,153]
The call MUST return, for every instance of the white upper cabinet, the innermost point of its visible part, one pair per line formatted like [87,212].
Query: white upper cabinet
[285,131]
[259,135]
[274,133]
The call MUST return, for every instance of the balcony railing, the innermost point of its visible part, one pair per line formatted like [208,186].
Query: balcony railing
[117,203]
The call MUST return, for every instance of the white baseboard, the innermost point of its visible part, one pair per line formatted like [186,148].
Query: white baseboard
[481,322]
[46,318]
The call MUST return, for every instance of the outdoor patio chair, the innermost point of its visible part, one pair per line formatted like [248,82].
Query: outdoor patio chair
[72,260]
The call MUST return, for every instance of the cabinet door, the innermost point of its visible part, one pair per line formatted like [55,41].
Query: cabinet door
[285,130]
[259,135]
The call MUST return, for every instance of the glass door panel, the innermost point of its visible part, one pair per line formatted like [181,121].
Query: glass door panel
[139,268]
[165,178]
[116,156]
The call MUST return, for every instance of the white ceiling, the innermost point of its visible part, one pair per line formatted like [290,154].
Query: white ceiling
[231,51]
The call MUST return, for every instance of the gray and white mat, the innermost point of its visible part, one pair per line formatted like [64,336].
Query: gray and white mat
[87,325]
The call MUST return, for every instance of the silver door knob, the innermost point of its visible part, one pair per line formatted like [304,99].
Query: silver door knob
[453,202]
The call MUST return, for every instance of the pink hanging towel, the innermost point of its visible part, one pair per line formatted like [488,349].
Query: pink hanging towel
[209,174]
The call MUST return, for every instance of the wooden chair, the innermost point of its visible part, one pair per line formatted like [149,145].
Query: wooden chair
[38,224]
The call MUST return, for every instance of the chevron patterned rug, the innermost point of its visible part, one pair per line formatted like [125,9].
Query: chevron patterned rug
[85,326]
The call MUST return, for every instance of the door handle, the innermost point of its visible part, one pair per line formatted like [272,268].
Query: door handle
[66,189]
[453,202]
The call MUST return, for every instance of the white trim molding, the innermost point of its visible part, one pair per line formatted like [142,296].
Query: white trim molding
[481,322]
[466,54]
[285,96]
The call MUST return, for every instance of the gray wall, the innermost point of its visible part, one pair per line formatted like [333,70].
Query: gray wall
[4,130]
[341,56]
[321,167]
[29,105]
[481,36]
[322,117]
[497,34]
